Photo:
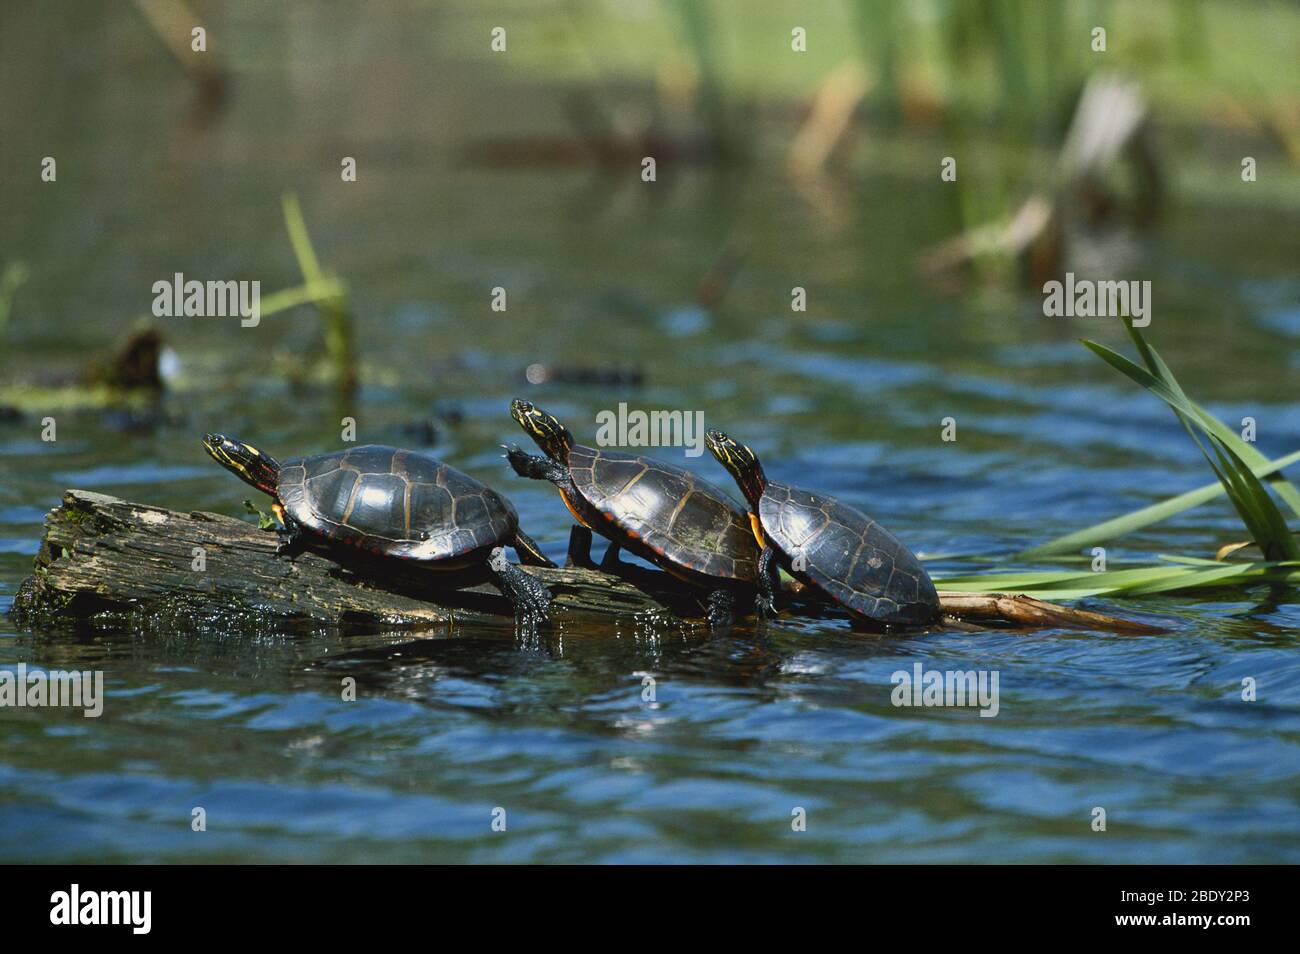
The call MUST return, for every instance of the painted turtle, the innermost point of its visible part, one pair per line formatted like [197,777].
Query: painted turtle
[827,545]
[664,514]
[393,503]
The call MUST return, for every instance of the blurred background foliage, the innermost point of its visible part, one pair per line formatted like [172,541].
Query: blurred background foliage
[479,169]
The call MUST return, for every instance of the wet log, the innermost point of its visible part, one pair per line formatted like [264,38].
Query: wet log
[106,560]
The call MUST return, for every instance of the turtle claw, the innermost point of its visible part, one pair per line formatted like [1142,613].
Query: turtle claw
[768,583]
[292,541]
[291,545]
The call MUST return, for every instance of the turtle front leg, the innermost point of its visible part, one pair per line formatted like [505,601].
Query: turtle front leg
[530,599]
[293,541]
[769,581]
[536,468]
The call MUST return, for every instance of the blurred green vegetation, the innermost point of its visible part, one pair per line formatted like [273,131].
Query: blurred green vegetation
[997,79]
[1015,59]
[12,277]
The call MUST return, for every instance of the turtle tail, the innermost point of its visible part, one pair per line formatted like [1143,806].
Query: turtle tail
[528,550]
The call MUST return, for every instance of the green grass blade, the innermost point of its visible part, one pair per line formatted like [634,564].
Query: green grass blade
[336,318]
[1168,391]
[1253,504]
[1107,580]
[1171,395]
[1199,415]
[11,279]
[302,247]
[1145,516]
[1265,522]
[1191,579]
[286,298]
[1138,581]
[1189,561]
[1213,425]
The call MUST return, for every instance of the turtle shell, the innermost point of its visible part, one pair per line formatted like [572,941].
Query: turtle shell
[666,514]
[395,503]
[846,555]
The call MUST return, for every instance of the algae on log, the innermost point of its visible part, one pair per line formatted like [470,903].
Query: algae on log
[104,558]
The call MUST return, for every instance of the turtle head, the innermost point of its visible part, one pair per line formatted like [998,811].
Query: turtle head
[741,462]
[551,436]
[244,460]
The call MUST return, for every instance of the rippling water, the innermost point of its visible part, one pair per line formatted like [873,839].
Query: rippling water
[450,724]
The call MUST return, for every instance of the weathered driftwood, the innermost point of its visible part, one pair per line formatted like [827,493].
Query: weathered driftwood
[104,558]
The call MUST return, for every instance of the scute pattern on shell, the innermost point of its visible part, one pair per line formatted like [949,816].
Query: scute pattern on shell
[679,516]
[847,555]
[396,503]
